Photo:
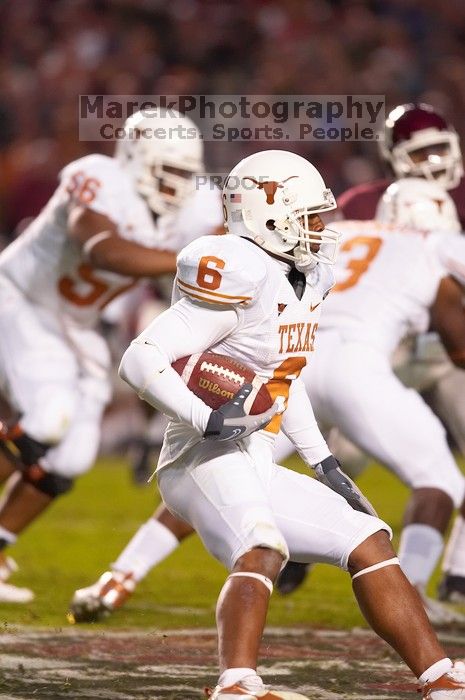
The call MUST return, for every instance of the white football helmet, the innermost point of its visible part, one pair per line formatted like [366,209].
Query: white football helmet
[419,204]
[162,150]
[269,198]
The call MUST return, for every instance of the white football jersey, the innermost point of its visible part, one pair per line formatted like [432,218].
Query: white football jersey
[386,280]
[200,215]
[450,249]
[275,331]
[49,267]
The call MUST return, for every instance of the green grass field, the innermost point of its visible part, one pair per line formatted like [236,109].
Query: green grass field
[74,542]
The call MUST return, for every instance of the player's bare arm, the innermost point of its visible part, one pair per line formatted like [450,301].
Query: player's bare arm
[106,250]
[448,319]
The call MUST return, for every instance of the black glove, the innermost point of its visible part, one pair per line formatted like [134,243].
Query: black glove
[231,422]
[329,472]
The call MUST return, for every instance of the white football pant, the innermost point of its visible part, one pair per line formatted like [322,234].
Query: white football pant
[353,387]
[56,378]
[237,500]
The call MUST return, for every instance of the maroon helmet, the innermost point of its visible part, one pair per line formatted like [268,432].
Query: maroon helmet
[420,143]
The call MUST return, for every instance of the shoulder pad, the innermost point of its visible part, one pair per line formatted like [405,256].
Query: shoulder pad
[97,182]
[225,270]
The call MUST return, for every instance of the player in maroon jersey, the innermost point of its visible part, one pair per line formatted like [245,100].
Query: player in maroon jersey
[418,143]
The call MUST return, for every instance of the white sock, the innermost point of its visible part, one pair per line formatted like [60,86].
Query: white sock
[435,671]
[232,676]
[419,551]
[8,536]
[150,545]
[454,557]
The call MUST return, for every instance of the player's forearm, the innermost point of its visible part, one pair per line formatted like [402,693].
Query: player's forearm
[182,330]
[448,319]
[301,428]
[147,369]
[131,259]
[458,357]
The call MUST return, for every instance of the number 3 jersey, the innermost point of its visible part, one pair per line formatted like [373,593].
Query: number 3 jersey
[49,268]
[386,280]
[272,331]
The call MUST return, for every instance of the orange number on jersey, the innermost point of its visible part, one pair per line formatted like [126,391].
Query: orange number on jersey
[358,266]
[68,287]
[82,188]
[209,277]
[280,384]
[98,288]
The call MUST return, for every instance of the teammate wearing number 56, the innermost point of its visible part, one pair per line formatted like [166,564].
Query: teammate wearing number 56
[255,295]
[97,235]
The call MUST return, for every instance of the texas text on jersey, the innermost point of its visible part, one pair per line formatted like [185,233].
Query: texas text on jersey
[231,272]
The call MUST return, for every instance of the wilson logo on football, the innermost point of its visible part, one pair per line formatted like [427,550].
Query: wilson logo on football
[214,388]
[270,187]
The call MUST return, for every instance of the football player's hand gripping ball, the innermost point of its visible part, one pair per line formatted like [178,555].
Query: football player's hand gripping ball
[232,422]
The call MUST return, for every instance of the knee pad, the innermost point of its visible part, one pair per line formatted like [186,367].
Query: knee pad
[76,453]
[52,485]
[30,450]
[263,534]
[50,413]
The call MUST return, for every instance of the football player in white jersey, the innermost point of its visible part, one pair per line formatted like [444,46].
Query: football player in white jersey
[255,294]
[391,283]
[419,143]
[105,226]
[433,371]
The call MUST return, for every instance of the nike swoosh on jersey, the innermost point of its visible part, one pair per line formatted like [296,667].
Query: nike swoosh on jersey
[312,308]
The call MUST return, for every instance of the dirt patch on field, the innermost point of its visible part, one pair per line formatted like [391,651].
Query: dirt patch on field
[73,664]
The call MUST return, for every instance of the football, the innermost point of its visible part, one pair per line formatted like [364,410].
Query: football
[216,378]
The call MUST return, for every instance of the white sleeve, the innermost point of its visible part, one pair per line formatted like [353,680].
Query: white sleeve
[300,426]
[451,251]
[181,330]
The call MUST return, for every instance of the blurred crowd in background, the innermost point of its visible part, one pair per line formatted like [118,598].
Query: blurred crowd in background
[53,50]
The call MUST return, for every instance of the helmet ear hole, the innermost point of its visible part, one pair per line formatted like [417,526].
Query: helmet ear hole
[270,225]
